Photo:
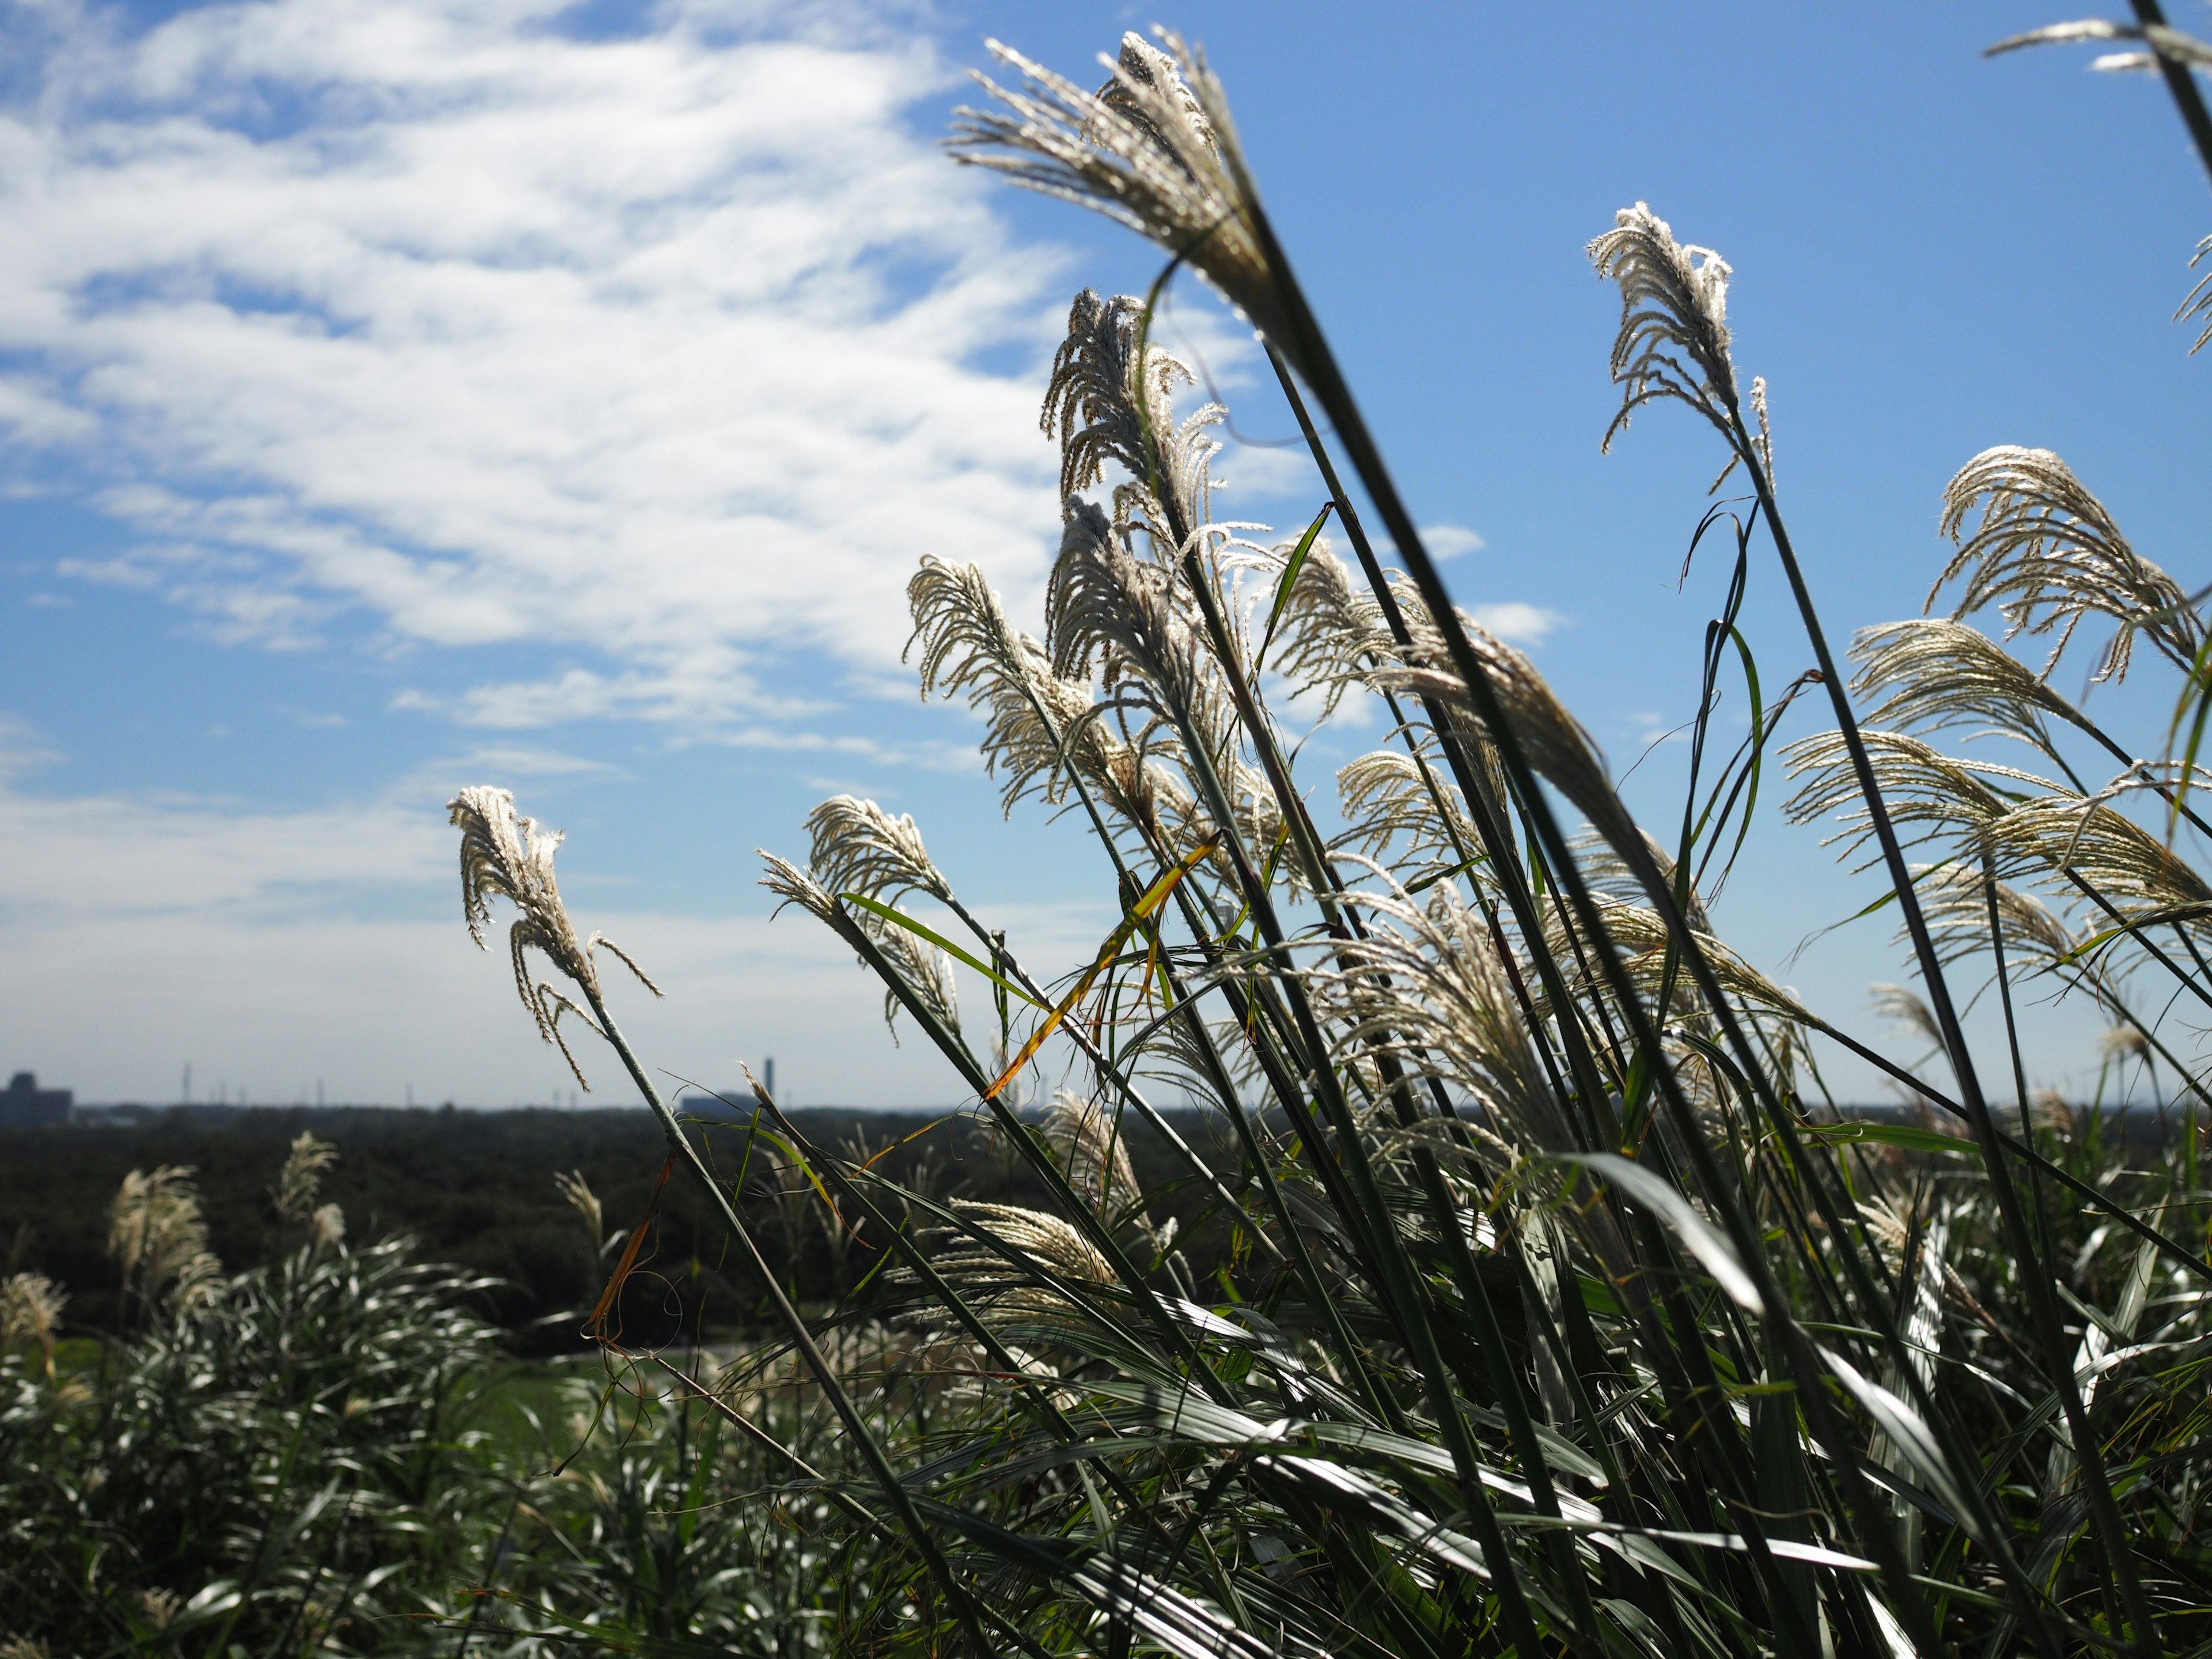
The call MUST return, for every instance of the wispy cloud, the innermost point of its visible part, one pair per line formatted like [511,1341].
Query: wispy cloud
[1448,541]
[428,313]
[1523,624]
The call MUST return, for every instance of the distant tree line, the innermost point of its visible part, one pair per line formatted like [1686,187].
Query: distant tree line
[478,1190]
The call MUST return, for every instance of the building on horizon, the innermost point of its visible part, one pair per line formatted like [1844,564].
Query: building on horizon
[24,1105]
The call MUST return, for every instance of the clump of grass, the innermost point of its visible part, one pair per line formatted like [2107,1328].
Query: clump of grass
[1560,1313]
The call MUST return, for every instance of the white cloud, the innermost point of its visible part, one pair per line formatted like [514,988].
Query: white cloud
[1523,624]
[658,347]
[1448,541]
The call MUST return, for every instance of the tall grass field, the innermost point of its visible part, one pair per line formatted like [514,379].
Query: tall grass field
[1518,1287]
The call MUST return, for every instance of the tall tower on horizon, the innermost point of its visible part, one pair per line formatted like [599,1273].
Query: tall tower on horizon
[768,1077]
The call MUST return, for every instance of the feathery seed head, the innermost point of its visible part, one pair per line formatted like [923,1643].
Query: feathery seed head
[507,856]
[300,1182]
[2199,302]
[2048,554]
[1673,336]
[581,1198]
[1040,728]
[1092,1150]
[1553,740]
[1154,149]
[926,970]
[30,1309]
[158,1236]
[1939,673]
[1101,401]
[1908,1009]
[1425,984]
[859,848]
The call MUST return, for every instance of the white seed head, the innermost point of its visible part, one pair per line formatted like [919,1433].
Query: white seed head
[1673,336]
[2048,556]
[300,1183]
[1908,1009]
[859,848]
[504,855]
[1093,1152]
[158,1236]
[1933,674]
[1154,149]
[30,1309]
[573,1188]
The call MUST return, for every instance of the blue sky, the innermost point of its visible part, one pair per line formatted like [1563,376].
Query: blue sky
[396,394]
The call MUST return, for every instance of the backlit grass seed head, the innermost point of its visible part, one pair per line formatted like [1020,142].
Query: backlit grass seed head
[1929,795]
[30,1310]
[580,1197]
[1001,1290]
[1392,807]
[504,855]
[1093,1152]
[1426,984]
[925,969]
[1103,406]
[1641,936]
[1154,149]
[1954,898]
[1932,673]
[301,1181]
[2127,864]
[859,848]
[2048,556]
[1908,1009]
[1111,614]
[1554,742]
[157,1236]
[1041,730]
[1673,336]
[2199,302]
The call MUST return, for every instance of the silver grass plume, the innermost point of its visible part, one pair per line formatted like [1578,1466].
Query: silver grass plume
[1042,729]
[2048,554]
[1154,149]
[1332,630]
[1105,405]
[2127,864]
[301,1181]
[1127,620]
[1388,799]
[1908,1009]
[1093,1152]
[2199,302]
[1425,985]
[1928,794]
[506,856]
[580,1197]
[1554,743]
[2160,39]
[2123,1043]
[157,1236]
[1641,935]
[1673,336]
[926,970]
[859,848]
[1955,900]
[1607,873]
[1933,673]
[1001,1292]
[30,1309]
